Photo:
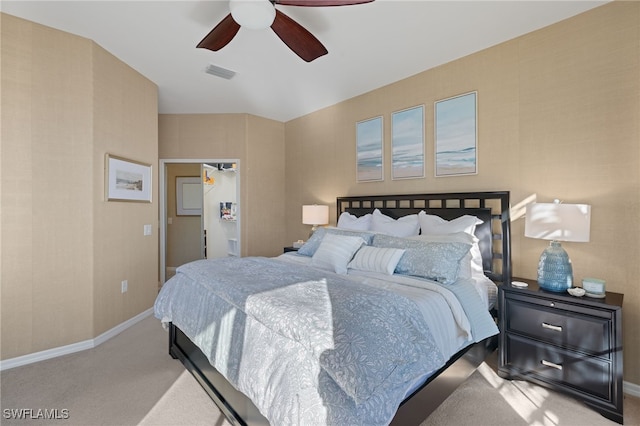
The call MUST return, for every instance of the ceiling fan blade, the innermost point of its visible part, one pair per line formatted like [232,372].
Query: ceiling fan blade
[320,3]
[221,35]
[294,35]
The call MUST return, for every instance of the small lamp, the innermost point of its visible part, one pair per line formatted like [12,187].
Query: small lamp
[557,222]
[315,215]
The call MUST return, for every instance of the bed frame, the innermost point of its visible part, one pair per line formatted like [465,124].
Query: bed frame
[495,246]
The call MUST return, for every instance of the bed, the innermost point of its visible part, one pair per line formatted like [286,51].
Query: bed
[311,338]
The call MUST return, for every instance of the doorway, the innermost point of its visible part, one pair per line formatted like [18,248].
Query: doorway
[199,211]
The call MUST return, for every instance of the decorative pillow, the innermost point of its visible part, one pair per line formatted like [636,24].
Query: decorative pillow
[312,244]
[349,221]
[335,252]
[376,259]
[437,261]
[465,270]
[405,226]
[435,225]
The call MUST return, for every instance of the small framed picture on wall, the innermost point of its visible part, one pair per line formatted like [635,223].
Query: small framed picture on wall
[127,180]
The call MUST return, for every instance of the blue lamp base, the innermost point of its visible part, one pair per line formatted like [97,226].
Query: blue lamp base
[555,272]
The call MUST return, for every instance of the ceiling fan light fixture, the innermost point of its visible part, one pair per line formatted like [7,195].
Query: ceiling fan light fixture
[253,14]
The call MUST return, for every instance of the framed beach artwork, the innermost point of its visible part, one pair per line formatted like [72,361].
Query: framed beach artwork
[456,139]
[127,180]
[369,150]
[407,143]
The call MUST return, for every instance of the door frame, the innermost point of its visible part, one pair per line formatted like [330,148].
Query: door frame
[162,179]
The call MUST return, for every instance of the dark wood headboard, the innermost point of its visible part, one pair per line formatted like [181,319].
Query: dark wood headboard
[491,207]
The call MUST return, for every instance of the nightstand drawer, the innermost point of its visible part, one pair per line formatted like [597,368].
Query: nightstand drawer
[568,329]
[582,373]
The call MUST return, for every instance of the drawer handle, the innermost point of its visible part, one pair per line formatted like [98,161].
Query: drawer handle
[551,327]
[551,364]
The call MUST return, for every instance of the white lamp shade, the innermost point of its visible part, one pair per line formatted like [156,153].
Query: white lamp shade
[253,14]
[315,214]
[558,222]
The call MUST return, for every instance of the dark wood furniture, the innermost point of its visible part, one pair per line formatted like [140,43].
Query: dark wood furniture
[494,236]
[290,248]
[570,344]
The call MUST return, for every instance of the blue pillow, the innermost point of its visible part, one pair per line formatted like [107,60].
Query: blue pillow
[312,244]
[437,261]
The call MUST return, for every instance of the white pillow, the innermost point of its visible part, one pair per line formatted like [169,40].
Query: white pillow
[405,226]
[350,221]
[435,225]
[335,252]
[376,259]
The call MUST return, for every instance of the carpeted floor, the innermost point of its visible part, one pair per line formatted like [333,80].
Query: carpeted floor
[131,380]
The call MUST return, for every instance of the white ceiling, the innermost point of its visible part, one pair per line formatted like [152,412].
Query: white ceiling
[370,45]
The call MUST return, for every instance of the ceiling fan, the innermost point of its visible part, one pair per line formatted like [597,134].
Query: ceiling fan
[259,14]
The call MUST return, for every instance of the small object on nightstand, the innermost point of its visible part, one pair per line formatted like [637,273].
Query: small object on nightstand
[519,284]
[298,244]
[576,291]
[594,287]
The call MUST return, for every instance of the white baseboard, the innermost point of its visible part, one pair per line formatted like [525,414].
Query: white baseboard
[631,389]
[74,347]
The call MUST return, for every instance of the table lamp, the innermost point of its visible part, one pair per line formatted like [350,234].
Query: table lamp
[557,222]
[315,215]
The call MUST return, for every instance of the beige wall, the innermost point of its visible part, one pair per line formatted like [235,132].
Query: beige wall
[65,250]
[259,145]
[558,117]
[125,119]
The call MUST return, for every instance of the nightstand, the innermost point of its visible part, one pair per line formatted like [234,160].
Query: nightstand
[288,249]
[570,344]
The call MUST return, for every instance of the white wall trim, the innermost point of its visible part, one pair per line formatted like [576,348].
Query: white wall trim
[74,347]
[631,389]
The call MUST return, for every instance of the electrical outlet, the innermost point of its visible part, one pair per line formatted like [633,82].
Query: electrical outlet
[147,230]
[124,286]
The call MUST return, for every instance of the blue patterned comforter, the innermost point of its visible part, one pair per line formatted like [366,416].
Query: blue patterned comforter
[307,346]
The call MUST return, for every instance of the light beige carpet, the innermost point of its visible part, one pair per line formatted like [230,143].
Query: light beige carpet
[131,380]
[486,399]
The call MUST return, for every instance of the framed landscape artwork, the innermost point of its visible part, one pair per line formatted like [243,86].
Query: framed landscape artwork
[456,135]
[127,180]
[407,143]
[369,150]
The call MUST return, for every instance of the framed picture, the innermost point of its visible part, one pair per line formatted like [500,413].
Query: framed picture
[407,143]
[127,180]
[369,150]
[189,196]
[456,139]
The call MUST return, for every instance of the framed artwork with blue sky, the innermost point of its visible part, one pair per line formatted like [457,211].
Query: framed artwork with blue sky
[407,143]
[369,150]
[456,139]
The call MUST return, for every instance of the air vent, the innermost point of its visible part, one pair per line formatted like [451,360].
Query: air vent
[219,72]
